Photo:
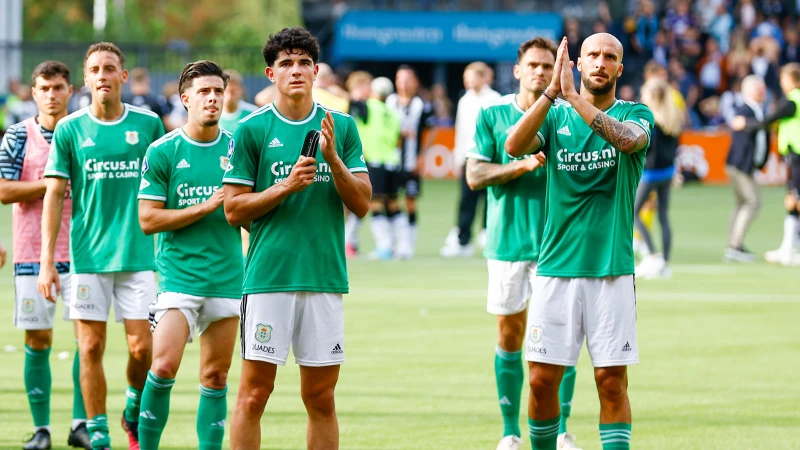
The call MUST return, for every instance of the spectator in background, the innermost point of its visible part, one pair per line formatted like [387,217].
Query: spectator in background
[626,93]
[646,28]
[478,94]
[679,19]
[791,51]
[178,115]
[748,152]
[721,26]
[711,70]
[234,108]
[662,48]
[326,92]
[143,97]
[686,84]
[659,169]
[747,14]
[730,100]
[21,105]
[768,27]
[765,54]
[442,106]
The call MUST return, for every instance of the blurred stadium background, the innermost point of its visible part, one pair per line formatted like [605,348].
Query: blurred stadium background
[720,351]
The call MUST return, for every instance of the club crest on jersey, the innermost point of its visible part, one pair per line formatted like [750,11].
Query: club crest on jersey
[132,137]
[27,305]
[263,333]
[223,162]
[83,292]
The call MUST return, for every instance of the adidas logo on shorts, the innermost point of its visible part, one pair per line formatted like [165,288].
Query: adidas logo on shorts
[627,347]
[337,350]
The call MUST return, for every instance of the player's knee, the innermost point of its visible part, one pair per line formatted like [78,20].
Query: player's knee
[39,339]
[92,348]
[319,401]
[164,368]
[544,381]
[140,349]
[511,335]
[253,400]
[611,386]
[214,377]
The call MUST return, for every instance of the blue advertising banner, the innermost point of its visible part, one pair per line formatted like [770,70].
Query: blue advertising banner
[423,36]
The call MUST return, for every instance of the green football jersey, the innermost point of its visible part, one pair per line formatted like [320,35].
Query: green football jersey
[591,187]
[102,161]
[515,210]
[230,121]
[299,245]
[204,258]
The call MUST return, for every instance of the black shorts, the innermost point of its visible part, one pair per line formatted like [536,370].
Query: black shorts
[412,185]
[384,181]
[794,174]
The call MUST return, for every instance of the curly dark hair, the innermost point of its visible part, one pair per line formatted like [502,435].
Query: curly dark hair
[295,40]
[197,69]
[537,42]
[50,69]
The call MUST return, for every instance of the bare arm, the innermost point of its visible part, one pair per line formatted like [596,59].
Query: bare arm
[522,138]
[625,137]
[52,210]
[21,191]
[153,218]
[355,189]
[481,174]
[242,205]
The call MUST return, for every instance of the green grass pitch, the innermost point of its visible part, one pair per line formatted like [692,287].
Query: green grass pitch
[719,346]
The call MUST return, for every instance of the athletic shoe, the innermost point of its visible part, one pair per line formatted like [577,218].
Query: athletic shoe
[452,237]
[650,267]
[132,428]
[510,442]
[482,238]
[39,441]
[380,255]
[400,254]
[640,248]
[567,441]
[666,272]
[738,255]
[79,437]
[456,251]
[350,250]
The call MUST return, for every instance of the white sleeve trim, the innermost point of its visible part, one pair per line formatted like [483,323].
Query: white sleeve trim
[358,169]
[478,156]
[229,180]
[646,131]
[157,198]
[541,138]
[56,173]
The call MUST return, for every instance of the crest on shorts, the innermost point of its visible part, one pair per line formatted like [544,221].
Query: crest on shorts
[83,292]
[27,305]
[263,333]
[223,162]
[132,137]
[535,334]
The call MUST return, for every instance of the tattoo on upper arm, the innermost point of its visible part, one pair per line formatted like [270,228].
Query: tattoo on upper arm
[624,137]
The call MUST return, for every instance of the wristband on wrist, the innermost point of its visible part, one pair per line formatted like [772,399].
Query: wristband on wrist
[549,97]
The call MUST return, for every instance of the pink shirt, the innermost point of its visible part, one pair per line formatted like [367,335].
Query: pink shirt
[27,216]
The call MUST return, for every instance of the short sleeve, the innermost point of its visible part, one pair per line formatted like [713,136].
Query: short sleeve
[485,146]
[352,154]
[155,175]
[11,156]
[242,162]
[641,115]
[59,163]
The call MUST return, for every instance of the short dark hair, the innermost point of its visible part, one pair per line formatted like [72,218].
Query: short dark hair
[407,67]
[537,42]
[105,47]
[50,69]
[197,69]
[288,39]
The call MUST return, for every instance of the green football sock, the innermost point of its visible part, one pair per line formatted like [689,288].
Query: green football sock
[78,408]
[97,427]
[38,383]
[565,392]
[132,405]
[544,433]
[615,436]
[154,410]
[510,376]
[211,418]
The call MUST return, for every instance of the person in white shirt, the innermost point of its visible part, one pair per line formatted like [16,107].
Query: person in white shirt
[477,79]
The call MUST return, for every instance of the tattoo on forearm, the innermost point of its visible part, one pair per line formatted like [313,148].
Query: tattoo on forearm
[484,174]
[623,137]
[341,175]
